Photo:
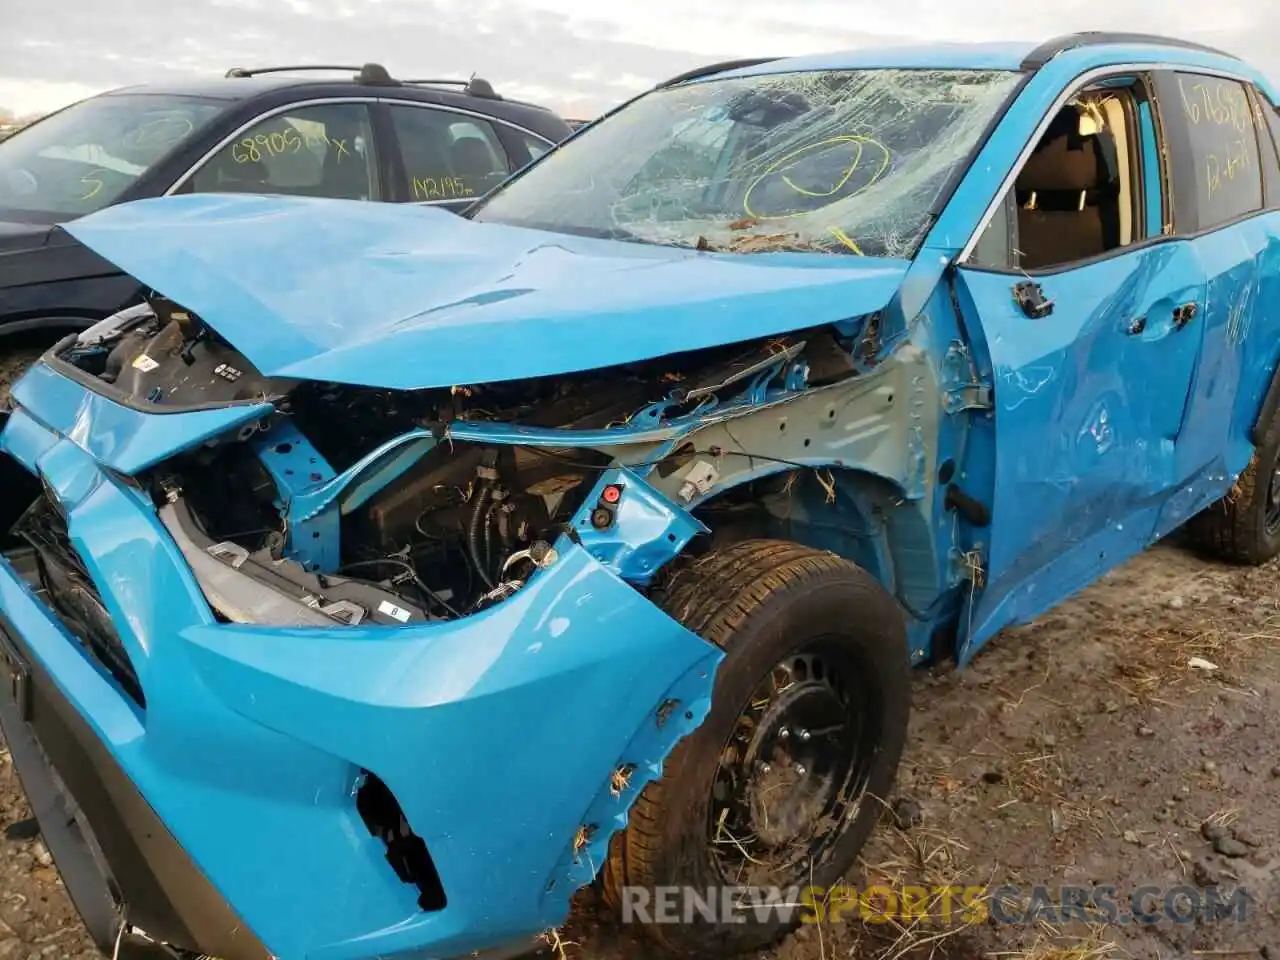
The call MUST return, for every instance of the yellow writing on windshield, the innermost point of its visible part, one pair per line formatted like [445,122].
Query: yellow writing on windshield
[91,183]
[256,148]
[870,158]
[845,239]
[162,132]
[441,188]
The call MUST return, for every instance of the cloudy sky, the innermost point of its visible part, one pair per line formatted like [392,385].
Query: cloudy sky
[576,56]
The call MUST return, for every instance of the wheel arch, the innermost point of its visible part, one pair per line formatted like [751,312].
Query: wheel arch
[855,513]
[769,604]
[1268,409]
[56,324]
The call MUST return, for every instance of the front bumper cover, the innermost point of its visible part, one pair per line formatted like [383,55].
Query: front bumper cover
[231,797]
[95,817]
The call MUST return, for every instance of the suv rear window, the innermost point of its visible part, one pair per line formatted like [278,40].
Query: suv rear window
[448,156]
[83,158]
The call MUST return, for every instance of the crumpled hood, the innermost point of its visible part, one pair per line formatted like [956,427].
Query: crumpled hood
[407,297]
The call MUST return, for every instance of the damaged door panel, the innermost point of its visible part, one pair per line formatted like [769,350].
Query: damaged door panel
[1238,261]
[1087,418]
[1093,360]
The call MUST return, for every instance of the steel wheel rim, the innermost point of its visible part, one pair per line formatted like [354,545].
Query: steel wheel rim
[794,771]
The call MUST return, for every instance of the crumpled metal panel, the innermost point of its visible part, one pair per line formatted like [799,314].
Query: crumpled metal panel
[405,297]
[122,438]
[515,740]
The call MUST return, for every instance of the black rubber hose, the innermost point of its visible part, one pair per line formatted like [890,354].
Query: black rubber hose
[488,539]
[478,515]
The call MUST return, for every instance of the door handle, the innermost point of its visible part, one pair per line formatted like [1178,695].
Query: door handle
[1184,314]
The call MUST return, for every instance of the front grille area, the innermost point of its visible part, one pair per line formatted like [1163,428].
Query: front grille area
[71,594]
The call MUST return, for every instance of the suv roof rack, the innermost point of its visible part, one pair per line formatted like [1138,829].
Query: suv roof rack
[472,87]
[713,68]
[374,74]
[1042,54]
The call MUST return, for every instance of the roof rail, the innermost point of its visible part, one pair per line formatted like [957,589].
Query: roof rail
[374,74]
[1042,54]
[714,68]
[473,87]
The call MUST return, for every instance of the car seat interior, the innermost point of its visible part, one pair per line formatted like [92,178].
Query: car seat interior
[1075,192]
[472,159]
[345,172]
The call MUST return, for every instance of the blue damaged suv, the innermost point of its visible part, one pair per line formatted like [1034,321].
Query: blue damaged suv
[389,575]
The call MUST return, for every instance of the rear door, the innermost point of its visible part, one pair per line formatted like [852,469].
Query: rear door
[1090,321]
[1220,147]
[449,158]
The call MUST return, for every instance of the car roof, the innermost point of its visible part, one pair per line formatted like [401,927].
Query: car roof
[370,80]
[995,56]
[1007,55]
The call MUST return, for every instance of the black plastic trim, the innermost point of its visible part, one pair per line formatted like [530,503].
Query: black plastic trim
[85,803]
[971,508]
[50,323]
[711,69]
[1267,412]
[99,386]
[1042,54]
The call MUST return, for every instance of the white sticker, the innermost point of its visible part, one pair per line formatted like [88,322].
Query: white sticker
[395,613]
[145,363]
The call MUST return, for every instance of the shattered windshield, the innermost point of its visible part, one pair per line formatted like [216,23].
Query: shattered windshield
[844,161]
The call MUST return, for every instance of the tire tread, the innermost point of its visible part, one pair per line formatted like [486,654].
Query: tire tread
[713,597]
[1231,529]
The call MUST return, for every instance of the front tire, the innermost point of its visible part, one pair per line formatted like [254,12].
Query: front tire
[783,782]
[1244,526]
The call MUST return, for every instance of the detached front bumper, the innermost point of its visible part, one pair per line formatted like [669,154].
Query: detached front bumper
[230,815]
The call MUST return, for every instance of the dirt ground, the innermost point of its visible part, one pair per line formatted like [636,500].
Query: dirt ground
[12,363]
[1083,749]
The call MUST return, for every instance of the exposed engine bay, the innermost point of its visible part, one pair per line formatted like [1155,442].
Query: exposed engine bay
[460,525]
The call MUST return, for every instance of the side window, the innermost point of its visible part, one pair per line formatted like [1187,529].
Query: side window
[448,156]
[1267,120]
[1213,149]
[318,151]
[535,146]
[1080,193]
[1273,119]
[995,248]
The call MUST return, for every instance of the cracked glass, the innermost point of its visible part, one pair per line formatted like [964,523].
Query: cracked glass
[848,162]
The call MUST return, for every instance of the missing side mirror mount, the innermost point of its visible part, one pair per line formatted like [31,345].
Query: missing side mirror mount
[1031,300]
